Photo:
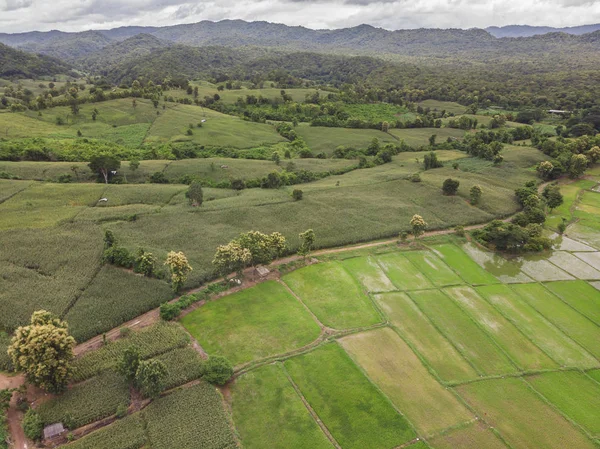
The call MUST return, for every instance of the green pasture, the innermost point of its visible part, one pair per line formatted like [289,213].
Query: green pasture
[580,295]
[474,436]
[403,274]
[265,399]
[574,394]
[230,96]
[521,350]
[433,268]
[424,338]
[255,323]
[333,296]
[448,106]
[463,332]
[385,358]
[218,129]
[378,112]
[571,322]
[356,413]
[369,273]
[324,139]
[537,328]
[419,137]
[523,419]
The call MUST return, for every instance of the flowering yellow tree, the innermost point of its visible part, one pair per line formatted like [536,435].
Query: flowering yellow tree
[231,258]
[179,266]
[418,225]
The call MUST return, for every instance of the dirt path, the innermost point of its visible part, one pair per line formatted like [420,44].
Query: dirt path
[13,415]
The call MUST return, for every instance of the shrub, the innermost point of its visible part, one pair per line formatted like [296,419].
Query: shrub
[158,178]
[118,256]
[475,193]
[32,425]
[430,161]
[459,231]
[450,186]
[562,226]
[217,370]
[415,177]
[297,194]
[121,411]
[169,311]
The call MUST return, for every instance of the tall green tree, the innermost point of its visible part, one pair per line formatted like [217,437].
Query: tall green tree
[194,194]
[150,377]
[44,351]
[104,165]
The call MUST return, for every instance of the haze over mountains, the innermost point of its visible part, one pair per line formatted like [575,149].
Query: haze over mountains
[527,30]
[200,48]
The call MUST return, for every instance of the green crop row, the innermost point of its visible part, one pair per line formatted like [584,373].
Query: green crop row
[127,433]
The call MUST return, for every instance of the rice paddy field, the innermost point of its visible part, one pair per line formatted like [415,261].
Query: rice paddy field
[451,352]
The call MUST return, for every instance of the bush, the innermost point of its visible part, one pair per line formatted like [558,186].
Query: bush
[158,178]
[297,194]
[118,256]
[562,226]
[121,411]
[217,370]
[415,177]
[169,311]
[459,231]
[450,186]
[32,425]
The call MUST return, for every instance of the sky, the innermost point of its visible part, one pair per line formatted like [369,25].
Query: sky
[78,15]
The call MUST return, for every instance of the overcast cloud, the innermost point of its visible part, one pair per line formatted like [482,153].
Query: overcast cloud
[77,15]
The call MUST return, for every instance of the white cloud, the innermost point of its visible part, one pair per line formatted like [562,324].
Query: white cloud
[76,15]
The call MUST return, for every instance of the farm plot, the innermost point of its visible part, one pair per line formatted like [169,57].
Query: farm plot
[580,295]
[462,331]
[574,266]
[369,274]
[403,274]
[258,322]
[508,271]
[113,297]
[324,139]
[151,341]
[183,365]
[57,263]
[126,433]
[333,296]
[591,258]
[474,436]
[189,418]
[355,412]
[417,137]
[466,267]
[537,328]
[156,194]
[9,188]
[574,394]
[541,270]
[571,322]
[523,419]
[521,350]
[385,358]
[268,412]
[434,268]
[87,402]
[437,351]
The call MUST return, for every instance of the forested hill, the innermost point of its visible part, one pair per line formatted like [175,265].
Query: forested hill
[16,63]
[528,31]
[363,39]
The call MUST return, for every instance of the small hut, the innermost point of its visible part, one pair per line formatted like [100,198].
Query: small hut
[261,271]
[53,431]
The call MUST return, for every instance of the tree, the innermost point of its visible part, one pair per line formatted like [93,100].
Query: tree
[308,242]
[385,126]
[430,161]
[145,263]
[104,165]
[578,164]
[263,247]
[545,169]
[475,194]
[129,363]
[179,267]
[217,370]
[150,377]
[33,425]
[134,164]
[134,103]
[231,258]
[432,140]
[418,225]
[552,196]
[275,157]
[44,351]
[194,194]
[94,114]
[297,194]
[594,154]
[450,186]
